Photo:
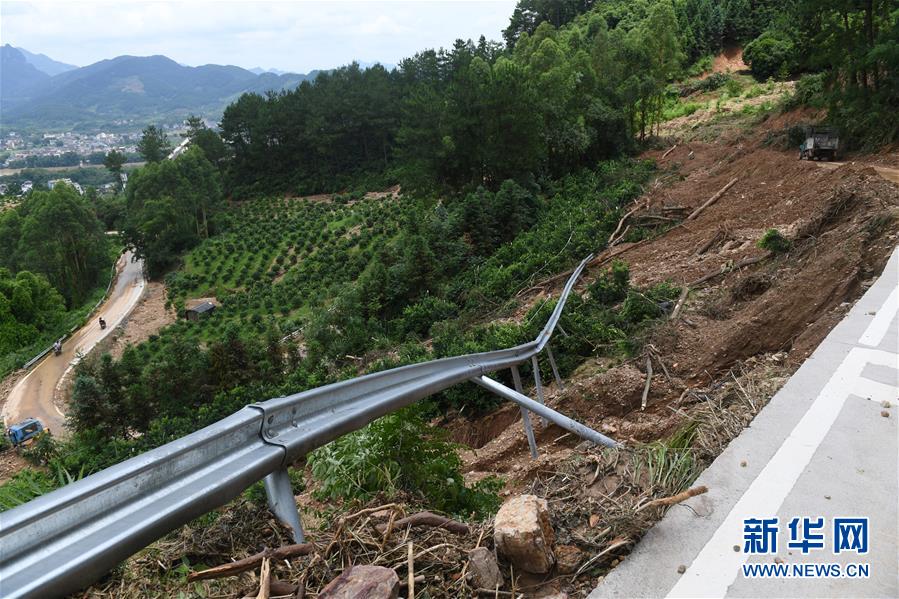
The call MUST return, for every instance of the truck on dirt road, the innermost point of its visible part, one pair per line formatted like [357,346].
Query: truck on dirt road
[821,143]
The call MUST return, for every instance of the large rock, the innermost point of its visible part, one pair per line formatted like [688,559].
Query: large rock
[523,534]
[363,582]
[484,570]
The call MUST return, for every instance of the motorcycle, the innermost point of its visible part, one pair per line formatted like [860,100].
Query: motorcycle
[102,324]
[57,348]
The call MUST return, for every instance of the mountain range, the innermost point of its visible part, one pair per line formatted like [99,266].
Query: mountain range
[37,91]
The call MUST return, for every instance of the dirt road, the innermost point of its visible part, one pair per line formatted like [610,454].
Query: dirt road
[33,395]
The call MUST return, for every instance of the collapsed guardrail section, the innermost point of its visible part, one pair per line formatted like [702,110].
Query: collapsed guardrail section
[65,540]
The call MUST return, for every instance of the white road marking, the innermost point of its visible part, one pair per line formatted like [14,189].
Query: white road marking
[717,565]
[878,327]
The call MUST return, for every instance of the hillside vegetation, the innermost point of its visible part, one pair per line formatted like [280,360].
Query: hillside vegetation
[513,163]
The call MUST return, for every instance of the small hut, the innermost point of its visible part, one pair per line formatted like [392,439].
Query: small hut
[199,311]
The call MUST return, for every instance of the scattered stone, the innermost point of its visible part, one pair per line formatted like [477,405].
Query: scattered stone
[681,569]
[363,582]
[827,497]
[777,560]
[523,534]
[743,464]
[594,520]
[615,562]
[885,404]
[484,570]
[568,558]
[884,413]
[736,549]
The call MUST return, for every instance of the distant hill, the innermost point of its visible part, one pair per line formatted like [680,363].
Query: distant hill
[137,89]
[45,64]
[260,71]
[17,76]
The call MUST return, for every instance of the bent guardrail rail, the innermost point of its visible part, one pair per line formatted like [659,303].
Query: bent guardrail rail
[66,539]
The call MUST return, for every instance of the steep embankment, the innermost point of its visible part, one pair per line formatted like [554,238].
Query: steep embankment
[842,222]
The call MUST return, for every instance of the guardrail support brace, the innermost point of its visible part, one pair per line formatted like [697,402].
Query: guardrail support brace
[525,415]
[552,362]
[282,503]
[538,384]
[557,418]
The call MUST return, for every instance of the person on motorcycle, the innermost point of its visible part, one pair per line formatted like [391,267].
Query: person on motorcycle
[57,347]
[102,323]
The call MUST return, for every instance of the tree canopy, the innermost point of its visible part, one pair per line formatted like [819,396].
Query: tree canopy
[56,233]
[154,144]
[170,205]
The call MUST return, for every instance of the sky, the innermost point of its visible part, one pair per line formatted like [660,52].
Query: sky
[295,36]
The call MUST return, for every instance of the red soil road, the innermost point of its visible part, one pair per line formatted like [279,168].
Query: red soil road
[32,397]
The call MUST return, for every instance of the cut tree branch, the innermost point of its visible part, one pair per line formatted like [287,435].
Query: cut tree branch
[682,496]
[712,199]
[250,563]
[428,519]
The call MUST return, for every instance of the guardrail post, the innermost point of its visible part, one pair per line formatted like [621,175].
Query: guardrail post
[552,362]
[282,503]
[525,415]
[538,384]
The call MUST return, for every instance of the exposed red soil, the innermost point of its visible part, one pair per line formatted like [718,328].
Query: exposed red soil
[843,220]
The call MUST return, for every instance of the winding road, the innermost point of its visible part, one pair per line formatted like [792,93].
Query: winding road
[33,395]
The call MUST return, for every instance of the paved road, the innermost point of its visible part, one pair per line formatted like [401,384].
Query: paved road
[821,449]
[33,395]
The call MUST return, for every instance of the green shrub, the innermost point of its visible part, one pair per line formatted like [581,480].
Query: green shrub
[611,286]
[774,241]
[772,54]
[400,452]
[418,318]
[809,91]
[24,486]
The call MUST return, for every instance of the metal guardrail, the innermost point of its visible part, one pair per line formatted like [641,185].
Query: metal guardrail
[65,540]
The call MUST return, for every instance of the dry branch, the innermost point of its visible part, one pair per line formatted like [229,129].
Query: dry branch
[265,578]
[411,568]
[682,496]
[712,199]
[621,224]
[671,149]
[428,519]
[680,303]
[648,382]
[719,234]
[250,563]
[737,266]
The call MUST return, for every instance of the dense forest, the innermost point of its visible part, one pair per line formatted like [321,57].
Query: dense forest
[576,82]
[515,161]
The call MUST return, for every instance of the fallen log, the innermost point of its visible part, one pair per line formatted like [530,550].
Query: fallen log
[250,563]
[719,234]
[712,199]
[428,519]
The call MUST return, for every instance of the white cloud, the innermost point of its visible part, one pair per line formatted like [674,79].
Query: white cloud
[289,35]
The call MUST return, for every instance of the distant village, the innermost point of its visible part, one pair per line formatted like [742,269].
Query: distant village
[40,150]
